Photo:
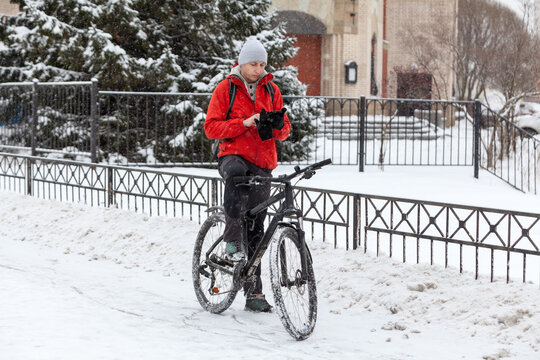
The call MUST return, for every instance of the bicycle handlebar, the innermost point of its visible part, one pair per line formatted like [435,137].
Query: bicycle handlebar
[308,172]
[320,164]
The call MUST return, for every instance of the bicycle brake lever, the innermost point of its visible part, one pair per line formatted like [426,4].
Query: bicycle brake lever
[308,174]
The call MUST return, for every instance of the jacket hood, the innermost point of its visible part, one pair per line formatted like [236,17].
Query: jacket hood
[235,72]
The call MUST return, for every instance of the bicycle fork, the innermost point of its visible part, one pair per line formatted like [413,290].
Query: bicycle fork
[303,249]
[300,275]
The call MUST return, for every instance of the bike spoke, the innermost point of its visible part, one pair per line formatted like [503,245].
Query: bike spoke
[214,285]
[295,299]
[297,303]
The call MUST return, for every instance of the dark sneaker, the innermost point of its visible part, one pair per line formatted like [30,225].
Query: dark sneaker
[258,303]
[234,252]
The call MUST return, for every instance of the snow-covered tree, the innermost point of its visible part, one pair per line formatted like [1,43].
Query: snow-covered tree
[148,45]
[81,39]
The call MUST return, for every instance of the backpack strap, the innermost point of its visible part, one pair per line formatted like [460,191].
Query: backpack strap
[232,96]
[270,89]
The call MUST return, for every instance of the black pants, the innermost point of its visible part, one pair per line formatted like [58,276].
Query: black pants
[237,198]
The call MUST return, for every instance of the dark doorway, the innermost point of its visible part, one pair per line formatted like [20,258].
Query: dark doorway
[413,85]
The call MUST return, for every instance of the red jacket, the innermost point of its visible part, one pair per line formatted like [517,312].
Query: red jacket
[239,139]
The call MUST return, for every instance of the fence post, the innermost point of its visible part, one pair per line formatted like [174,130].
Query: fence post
[476,145]
[93,119]
[110,187]
[214,192]
[357,218]
[361,155]
[33,125]
[29,176]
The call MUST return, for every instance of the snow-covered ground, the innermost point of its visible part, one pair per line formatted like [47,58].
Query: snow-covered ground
[88,283]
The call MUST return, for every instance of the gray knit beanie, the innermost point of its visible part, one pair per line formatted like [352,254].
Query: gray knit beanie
[252,51]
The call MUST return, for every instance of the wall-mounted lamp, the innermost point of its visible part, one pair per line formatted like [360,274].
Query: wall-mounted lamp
[351,72]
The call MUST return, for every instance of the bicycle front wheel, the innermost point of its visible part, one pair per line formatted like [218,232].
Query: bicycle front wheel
[295,299]
[212,272]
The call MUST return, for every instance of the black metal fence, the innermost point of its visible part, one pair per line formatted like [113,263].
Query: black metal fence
[509,152]
[49,117]
[166,129]
[153,128]
[482,241]
[16,115]
[417,132]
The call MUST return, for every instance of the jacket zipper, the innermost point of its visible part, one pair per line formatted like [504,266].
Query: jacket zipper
[254,109]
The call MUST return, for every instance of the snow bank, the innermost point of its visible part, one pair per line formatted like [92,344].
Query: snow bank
[370,308]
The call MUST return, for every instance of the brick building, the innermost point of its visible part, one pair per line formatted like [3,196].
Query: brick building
[336,37]
[365,35]
[7,8]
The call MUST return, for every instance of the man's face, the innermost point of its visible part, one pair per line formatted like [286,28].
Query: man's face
[252,71]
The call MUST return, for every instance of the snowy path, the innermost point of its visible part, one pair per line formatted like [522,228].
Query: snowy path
[66,307]
[90,283]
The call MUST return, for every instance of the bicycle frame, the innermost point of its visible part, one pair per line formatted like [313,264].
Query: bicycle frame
[286,209]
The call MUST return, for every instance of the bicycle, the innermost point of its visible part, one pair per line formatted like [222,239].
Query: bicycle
[217,280]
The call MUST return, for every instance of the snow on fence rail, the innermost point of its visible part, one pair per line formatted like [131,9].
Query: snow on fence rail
[486,242]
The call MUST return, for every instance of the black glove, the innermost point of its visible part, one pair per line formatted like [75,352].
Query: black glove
[264,126]
[276,118]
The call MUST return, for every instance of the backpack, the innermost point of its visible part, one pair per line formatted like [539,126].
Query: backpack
[232,96]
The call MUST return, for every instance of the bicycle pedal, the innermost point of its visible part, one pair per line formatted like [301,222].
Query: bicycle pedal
[236,257]
[222,261]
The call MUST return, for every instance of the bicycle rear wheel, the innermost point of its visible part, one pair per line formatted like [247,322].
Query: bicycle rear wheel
[214,287]
[296,300]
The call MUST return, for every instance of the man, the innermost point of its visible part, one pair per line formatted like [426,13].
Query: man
[242,152]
